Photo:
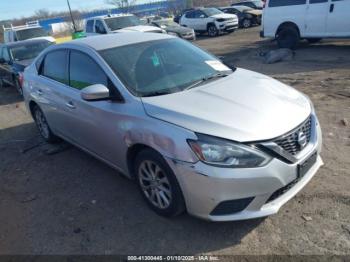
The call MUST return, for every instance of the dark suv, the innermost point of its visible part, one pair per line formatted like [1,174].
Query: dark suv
[15,57]
[256,4]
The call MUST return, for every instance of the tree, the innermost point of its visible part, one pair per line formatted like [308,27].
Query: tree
[123,4]
[42,13]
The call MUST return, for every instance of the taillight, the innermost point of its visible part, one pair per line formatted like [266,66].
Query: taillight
[21,79]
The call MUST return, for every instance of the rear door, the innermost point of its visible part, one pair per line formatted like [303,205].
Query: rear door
[316,18]
[338,24]
[51,88]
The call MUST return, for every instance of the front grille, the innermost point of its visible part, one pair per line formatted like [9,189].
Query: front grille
[290,142]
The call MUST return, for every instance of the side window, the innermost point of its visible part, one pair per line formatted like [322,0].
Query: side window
[318,1]
[55,66]
[5,54]
[90,26]
[99,27]
[189,14]
[199,14]
[275,3]
[84,71]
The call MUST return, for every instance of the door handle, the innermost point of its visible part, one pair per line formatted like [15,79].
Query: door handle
[70,105]
[331,8]
[39,92]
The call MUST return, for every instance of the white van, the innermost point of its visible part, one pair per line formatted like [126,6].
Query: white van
[31,30]
[291,20]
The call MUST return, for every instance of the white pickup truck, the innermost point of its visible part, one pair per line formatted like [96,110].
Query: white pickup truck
[31,30]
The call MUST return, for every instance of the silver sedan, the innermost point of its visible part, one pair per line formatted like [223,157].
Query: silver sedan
[222,143]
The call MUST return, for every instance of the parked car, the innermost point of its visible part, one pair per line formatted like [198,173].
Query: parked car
[175,29]
[247,16]
[15,57]
[291,21]
[210,20]
[222,143]
[117,24]
[25,32]
[256,4]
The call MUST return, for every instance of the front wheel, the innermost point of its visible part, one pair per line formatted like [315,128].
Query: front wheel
[43,126]
[18,87]
[212,31]
[158,184]
[288,37]
[246,23]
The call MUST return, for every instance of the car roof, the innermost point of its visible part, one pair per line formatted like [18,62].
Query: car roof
[109,16]
[102,42]
[24,42]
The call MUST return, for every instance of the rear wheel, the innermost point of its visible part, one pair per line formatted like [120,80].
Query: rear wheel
[43,126]
[288,37]
[158,184]
[212,31]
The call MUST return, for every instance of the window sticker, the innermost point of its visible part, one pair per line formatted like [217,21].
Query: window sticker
[155,60]
[217,65]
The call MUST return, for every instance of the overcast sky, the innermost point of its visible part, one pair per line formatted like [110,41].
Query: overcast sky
[18,8]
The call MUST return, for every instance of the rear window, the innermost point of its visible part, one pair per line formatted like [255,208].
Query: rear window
[276,3]
[55,66]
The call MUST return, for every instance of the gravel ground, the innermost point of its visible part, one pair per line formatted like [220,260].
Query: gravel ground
[59,200]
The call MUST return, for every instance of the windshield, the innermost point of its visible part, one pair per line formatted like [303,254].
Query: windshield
[166,23]
[120,22]
[28,33]
[162,66]
[28,50]
[243,8]
[259,4]
[211,11]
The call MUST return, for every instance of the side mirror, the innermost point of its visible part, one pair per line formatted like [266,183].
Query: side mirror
[96,92]
[202,16]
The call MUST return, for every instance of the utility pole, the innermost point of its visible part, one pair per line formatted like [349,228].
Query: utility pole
[71,16]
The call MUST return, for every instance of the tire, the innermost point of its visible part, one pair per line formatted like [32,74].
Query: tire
[313,40]
[212,31]
[288,37]
[158,184]
[18,86]
[43,126]
[246,23]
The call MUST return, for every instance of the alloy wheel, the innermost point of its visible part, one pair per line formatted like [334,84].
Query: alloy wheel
[42,124]
[212,31]
[246,23]
[155,184]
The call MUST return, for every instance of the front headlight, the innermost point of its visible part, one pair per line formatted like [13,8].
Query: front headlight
[172,33]
[220,152]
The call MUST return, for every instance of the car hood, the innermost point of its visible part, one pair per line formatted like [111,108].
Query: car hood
[178,29]
[243,107]
[223,15]
[48,38]
[254,12]
[140,28]
[23,63]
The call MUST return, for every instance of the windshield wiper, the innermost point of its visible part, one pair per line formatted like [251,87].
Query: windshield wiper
[205,79]
[157,93]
